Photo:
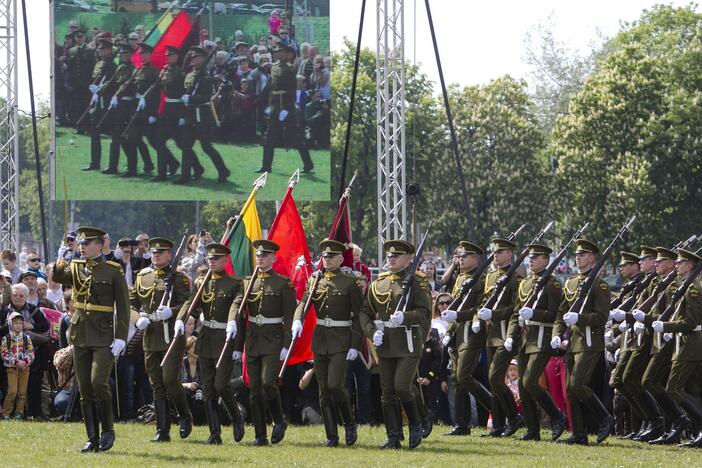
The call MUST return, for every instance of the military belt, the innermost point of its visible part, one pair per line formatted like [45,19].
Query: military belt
[261,320]
[139,95]
[94,307]
[380,324]
[213,323]
[126,98]
[680,334]
[329,323]
[173,100]
[151,317]
[541,325]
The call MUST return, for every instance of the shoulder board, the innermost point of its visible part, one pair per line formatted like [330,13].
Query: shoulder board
[347,274]
[383,274]
[603,285]
[555,283]
[78,260]
[419,274]
[694,289]
[115,265]
[145,270]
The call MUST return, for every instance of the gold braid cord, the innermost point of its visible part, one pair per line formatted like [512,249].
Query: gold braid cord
[571,294]
[80,287]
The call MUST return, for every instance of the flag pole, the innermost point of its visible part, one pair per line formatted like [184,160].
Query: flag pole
[159,20]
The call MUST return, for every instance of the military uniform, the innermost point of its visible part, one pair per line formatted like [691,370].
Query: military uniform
[103,73]
[469,345]
[145,299]
[337,301]
[505,418]
[585,347]
[80,62]
[283,129]
[271,306]
[220,299]
[536,352]
[199,122]
[101,318]
[685,380]
[402,343]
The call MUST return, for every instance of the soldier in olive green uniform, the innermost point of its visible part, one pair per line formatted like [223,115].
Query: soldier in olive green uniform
[585,344]
[336,339]
[157,321]
[470,344]
[120,109]
[685,380]
[271,306]
[535,352]
[505,419]
[80,62]
[220,299]
[103,73]
[199,120]
[399,339]
[283,128]
[662,347]
[98,330]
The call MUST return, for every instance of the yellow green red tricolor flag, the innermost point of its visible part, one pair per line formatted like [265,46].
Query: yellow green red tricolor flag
[245,232]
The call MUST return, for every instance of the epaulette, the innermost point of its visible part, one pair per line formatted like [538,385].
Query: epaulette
[115,265]
[78,260]
[556,283]
[145,270]
[383,274]
[603,285]
[420,274]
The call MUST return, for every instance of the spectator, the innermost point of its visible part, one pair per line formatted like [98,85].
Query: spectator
[195,255]
[319,79]
[429,270]
[17,356]
[54,291]
[134,387]
[139,29]
[317,120]
[359,268]
[29,279]
[34,264]
[441,303]
[512,381]
[429,370]
[69,307]
[42,287]
[190,375]
[63,362]
[274,21]
[9,262]
[131,263]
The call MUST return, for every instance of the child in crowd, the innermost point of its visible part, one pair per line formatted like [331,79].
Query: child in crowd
[17,354]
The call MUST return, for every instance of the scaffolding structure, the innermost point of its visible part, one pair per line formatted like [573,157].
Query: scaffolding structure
[9,139]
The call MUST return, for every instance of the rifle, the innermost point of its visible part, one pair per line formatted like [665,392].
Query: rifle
[629,288]
[146,94]
[467,285]
[168,292]
[680,293]
[122,87]
[587,285]
[408,280]
[239,311]
[91,108]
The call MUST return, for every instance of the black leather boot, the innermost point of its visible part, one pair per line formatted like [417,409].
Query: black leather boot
[212,417]
[280,424]
[91,426]
[392,428]
[415,423]
[606,421]
[258,416]
[462,426]
[163,421]
[107,436]
[678,426]
[236,417]
[559,421]
[531,415]
[349,421]
[330,427]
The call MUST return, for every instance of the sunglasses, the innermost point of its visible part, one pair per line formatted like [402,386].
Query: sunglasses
[464,255]
[444,302]
[35,259]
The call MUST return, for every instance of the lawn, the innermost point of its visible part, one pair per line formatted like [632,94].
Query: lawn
[22,445]
[73,152]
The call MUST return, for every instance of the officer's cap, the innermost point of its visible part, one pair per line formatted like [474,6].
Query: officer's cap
[217,250]
[470,248]
[331,247]
[647,251]
[584,245]
[628,257]
[157,244]
[264,245]
[539,249]
[665,254]
[198,51]
[498,243]
[686,255]
[88,233]
[398,246]
[105,43]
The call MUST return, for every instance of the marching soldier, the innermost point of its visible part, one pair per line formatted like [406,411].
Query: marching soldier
[398,338]
[505,419]
[585,344]
[685,380]
[103,73]
[469,344]
[80,62]
[283,128]
[267,338]
[157,321]
[220,299]
[337,338]
[535,352]
[98,330]
[199,119]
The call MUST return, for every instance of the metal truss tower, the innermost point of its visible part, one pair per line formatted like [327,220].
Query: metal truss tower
[9,139]
[390,92]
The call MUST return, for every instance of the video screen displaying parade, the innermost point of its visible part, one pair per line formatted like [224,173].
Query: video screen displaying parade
[172,101]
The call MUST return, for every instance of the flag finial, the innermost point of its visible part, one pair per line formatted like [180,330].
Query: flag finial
[261,181]
[294,179]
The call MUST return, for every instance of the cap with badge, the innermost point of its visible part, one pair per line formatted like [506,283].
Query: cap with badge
[498,243]
[217,250]
[470,248]
[88,233]
[331,247]
[665,254]
[265,246]
[647,251]
[687,256]
[586,246]
[628,258]
[539,249]
[197,51]
[157,244]
[398,247]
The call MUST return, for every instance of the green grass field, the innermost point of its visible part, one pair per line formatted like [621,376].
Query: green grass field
[56,444]
[73,152]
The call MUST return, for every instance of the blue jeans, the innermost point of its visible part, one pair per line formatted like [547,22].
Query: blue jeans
[61,401]
[134,386]
[358,383]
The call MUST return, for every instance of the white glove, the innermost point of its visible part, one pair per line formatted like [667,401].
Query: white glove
[164,313]
[351,355]
[296,329]
[236,355]
[475,326]
[142,323]
[185,98]
[94,88]
[639,315]
[113,102]
[485,314]
[181,122]
[231,330]
[117,347]
[617,353]
[449,315]
[526,313]
[282,115]
[667,337]
[397,317]
[142,104]
[94,100]
[556,342]
[378,338]
[61,251]
[283,353]
[571,318]
[446,340]
[508,344]
[623,326]
[152,120]
[179,328]
[608,337]
[639,328]
[657,326]
[618,315]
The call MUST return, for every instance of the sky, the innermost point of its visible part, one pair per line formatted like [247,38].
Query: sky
[478,41]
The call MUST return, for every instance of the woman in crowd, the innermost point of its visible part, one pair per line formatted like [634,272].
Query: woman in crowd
[194,255]
[190,375]
[429,269]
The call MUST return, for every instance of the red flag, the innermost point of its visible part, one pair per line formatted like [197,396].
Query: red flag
[293,260]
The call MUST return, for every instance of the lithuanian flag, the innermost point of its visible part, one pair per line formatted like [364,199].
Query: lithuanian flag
[170,30]
[247,228]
